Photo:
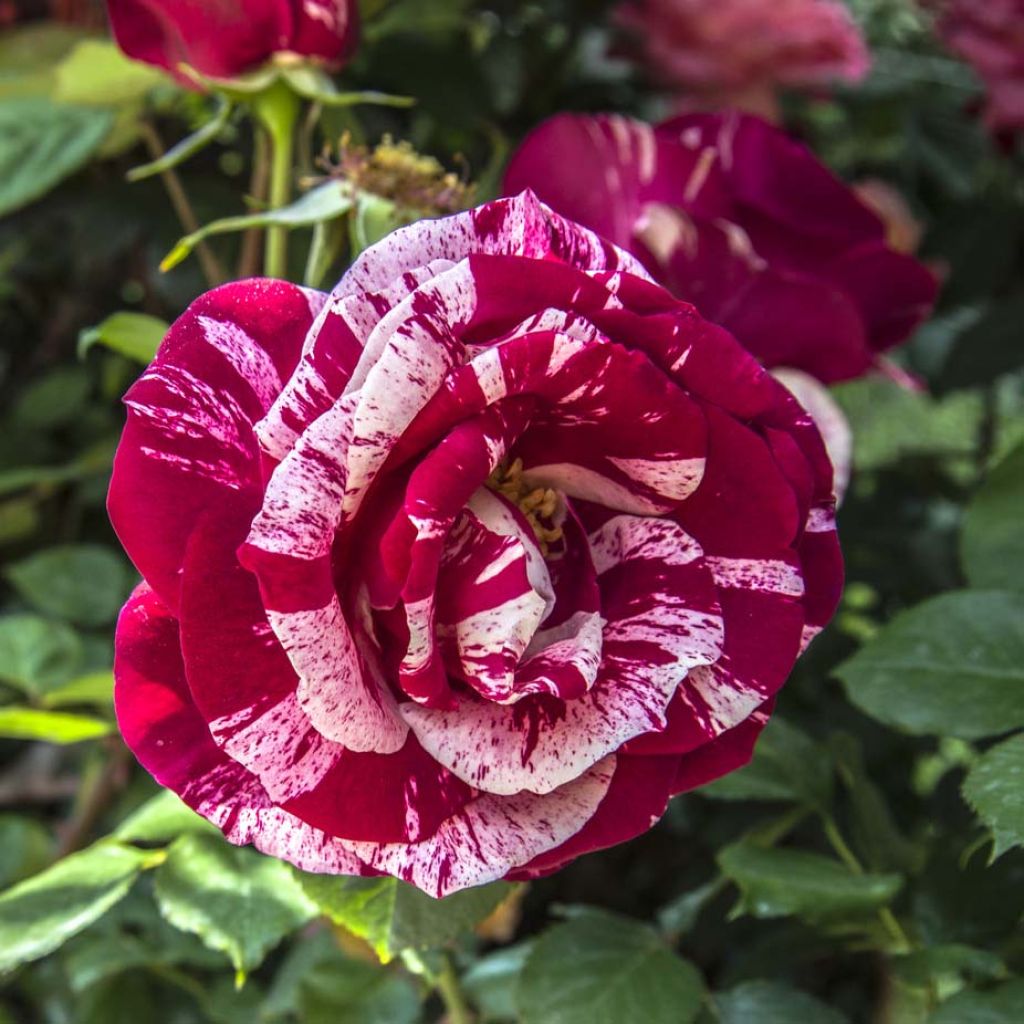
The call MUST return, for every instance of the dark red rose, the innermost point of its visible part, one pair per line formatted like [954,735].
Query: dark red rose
[225,38]
[738,218]
[462,570]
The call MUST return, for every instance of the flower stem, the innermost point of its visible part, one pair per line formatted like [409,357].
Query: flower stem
[849,858]
[451,993]
[278,110]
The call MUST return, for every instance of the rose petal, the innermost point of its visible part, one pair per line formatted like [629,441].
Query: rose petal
[188,441]
[661,621]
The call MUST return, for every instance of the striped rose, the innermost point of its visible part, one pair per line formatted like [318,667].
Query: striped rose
[464,569]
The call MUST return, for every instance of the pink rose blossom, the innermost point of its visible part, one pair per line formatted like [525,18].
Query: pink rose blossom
[728,47]
[989,34]
[462,570]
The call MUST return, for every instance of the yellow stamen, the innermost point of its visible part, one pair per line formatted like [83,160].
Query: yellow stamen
[538,504]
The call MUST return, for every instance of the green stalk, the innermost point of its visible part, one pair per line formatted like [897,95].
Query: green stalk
[849,858]
[451,993]
[278,110]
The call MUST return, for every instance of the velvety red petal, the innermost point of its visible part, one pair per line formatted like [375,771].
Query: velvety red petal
[780,180]
[188,442]
[726,753]
[328,29]
[636,799]
[221,38]
[895,292]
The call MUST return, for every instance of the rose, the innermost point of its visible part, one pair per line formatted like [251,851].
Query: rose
[225,38]
[733,215]
[462,571]
[746,48]
[990,36]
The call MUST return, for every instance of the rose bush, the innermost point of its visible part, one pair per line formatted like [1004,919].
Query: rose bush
[224,38]
[463,570]
[735,216]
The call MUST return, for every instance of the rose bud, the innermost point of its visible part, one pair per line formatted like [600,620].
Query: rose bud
[226,38]
[733,215]
[463,570]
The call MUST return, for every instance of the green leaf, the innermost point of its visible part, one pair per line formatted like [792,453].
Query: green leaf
[29,54]
[1002,1005]
[413,16]
[891,423]
[35,47]
[680,915]
[988,348]
[491,982]
[329,241]
[873,825]
[162,819]
[91,463]
[235,900]
[993,542]
[777,882]
[96,688]
[994,787]
[39,915]
[56,400]
[602,969]
[322,203]
[84,583]
[787,765]
[374,218]
[18,723]
[317,984]
[134,335]
[313,84]
[952,666]
[97,73]
[36,654]
[939,965]
[243,87]
[769,1002]
[393,916]
[19,518]
[188,146]
[41,144]
[24,848]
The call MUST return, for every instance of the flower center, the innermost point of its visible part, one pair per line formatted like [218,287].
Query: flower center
[539,505]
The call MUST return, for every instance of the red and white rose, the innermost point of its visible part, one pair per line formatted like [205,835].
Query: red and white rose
[464,569]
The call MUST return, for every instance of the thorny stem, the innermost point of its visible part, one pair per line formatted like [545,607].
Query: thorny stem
[211,267]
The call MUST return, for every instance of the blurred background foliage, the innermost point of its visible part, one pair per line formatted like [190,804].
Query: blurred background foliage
[865,867]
